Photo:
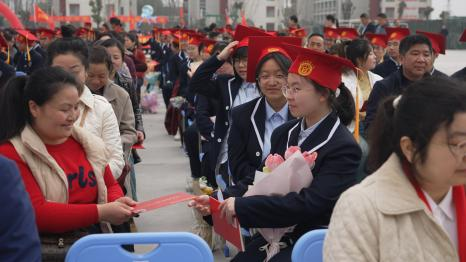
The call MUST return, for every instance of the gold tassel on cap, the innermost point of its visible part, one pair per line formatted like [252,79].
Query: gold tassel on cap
[356,118]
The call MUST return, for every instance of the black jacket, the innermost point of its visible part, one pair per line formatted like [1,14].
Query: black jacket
[393,85]
[386,68]
[224,89]
[460,75]
[20,60]
[334,172]
[245,144]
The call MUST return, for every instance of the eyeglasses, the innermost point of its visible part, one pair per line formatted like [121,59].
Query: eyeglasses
[459,150]
[287,90]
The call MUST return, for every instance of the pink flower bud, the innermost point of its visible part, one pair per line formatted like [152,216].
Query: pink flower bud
[273,161]
[291,150]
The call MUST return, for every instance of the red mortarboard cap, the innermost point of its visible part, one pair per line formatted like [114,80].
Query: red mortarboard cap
[261,46]
[298,32]
[397,33]
[243,32]
[463,36]
[347,33]
[377,39]
[331,33]
[320,67]
[195,39]
[209,45]
[44,32]
[24,35]
[438,41]
[272,33]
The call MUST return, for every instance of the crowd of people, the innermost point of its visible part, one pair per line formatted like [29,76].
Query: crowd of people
[389,130]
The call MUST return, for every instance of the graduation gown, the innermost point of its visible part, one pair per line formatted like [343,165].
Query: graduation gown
[334,172]
[246,144]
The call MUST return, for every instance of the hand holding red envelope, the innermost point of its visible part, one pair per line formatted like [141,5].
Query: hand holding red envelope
[138,146]
[163,201]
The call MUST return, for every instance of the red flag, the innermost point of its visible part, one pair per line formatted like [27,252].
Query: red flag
[40,15]
[243,19]
[182,17]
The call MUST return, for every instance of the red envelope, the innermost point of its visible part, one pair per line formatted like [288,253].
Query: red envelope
[231,233]
[162,202]
[138,146]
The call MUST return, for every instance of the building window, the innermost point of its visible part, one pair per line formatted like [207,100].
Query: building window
[270,11]
[270,26]
[74,9]
[390,12]
[122,10]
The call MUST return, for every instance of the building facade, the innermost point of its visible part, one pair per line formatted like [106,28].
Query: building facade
[411,9]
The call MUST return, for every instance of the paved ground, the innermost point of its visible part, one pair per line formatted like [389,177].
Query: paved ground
[165,167]
[163,171]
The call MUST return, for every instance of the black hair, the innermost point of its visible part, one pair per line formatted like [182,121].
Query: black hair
[332,19]
[68,31]
[213,34]
[343,104]
[283,62]
[218,47]
[294,18]
[413,40]
[425,106]
[40,87]
[99,55]
[8,35]
[339,49]
[358,49]
[382,15]
[115,21]
[200,47]
[314,34]
[240,53]
[75,46]
[364,15]
[114,43]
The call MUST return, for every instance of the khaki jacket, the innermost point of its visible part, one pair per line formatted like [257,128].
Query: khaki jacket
[50,177]
[383,219]
[121,104]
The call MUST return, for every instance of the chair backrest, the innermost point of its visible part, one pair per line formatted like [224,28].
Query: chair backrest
[178,246]
[309,247]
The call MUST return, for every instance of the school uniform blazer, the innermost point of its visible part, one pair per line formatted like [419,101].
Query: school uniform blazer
[245,144]
[334,172]
[224,89]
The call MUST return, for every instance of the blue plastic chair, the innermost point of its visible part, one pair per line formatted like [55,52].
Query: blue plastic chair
[177,246]
[309,247]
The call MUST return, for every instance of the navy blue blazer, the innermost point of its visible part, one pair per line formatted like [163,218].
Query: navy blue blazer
[19,239]
[334,172]
[37,61]
[393,85]
[245,144]
[386,68]
[224,89]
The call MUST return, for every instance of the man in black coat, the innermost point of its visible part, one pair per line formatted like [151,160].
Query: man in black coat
[366,26]
[416,55]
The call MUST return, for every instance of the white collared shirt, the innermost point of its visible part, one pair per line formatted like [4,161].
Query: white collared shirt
[305,132]
[445,215]
[272,120]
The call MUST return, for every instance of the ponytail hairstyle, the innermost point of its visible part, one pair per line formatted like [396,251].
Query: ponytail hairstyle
[358,50]
[342,104]
[425,106]
[40,87]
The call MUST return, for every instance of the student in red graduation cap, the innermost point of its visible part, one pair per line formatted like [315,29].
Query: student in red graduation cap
[254,122]
[45,37]
[461,74]
[413,207]
[26,59]
[438,42]
[379,44]
[312,84]
[330,36]
[391,61]
[347,33]
[229,90]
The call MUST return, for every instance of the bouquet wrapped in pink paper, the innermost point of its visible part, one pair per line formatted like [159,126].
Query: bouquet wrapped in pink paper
[280,177]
